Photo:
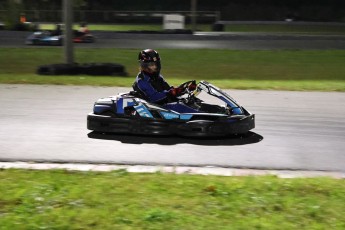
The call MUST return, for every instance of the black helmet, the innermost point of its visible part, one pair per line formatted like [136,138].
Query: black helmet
[150,57]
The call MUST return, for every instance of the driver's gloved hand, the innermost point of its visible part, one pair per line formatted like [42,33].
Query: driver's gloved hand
[176,91]
[192,86]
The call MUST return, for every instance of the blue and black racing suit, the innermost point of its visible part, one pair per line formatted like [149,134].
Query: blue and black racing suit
[156,90]
[153,89]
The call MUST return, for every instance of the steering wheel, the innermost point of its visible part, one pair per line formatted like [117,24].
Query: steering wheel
[185,89]
[185,86]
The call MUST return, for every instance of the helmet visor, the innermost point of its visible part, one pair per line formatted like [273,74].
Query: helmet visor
[152,67]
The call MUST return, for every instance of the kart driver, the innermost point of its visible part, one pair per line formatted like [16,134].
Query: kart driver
[83,28]
[152,87]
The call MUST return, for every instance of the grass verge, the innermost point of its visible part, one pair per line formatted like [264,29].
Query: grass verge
[83,80]
[282,69]
[59,199]
[284,28]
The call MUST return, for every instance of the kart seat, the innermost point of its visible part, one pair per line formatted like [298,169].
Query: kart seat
[137,92]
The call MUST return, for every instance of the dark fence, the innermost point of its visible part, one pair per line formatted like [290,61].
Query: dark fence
[56,16]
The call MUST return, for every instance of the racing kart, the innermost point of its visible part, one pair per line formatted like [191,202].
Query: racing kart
[50,38]
[129,113]
[44,38]
[83,37]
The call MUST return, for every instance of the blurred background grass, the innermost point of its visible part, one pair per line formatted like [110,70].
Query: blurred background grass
[283,28]
[283,69]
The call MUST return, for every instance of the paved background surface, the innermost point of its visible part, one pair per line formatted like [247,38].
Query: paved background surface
[296,131]
[214,40]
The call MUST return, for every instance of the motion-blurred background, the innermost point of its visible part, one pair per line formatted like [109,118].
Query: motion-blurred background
[152,11]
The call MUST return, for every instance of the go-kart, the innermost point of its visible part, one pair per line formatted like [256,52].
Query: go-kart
[55,39]
[130,113]
[44,38]
[83,37]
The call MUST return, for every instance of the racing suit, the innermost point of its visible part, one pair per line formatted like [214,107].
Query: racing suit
[156,90]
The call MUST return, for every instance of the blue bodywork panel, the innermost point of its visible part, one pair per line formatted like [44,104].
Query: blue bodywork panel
[143,111]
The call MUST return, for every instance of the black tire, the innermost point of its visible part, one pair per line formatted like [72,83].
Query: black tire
[58,69]
[104,69]
[94,69]
[218,27]
[90,39]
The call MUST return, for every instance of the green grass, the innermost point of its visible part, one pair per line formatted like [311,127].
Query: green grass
[278,70]
[59,199]
[287,28]
[110,27]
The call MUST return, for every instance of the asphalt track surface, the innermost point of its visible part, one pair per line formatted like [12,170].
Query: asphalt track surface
[294,131]
[214,40]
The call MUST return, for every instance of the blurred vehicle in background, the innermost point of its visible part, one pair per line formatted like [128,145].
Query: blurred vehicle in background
[44,38]
[55,37]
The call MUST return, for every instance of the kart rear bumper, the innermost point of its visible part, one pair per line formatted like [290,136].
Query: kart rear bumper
[197,128]
[214,128]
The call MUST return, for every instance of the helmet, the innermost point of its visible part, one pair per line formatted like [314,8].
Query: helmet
[150,61]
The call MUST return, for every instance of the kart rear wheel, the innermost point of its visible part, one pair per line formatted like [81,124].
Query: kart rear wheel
[89,39]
